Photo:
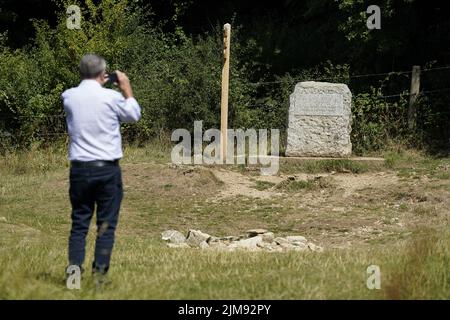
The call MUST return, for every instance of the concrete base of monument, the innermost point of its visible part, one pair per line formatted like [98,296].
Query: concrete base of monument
[293,160]
[283,160]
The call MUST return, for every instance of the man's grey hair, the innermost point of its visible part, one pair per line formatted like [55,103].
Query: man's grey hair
[91,66]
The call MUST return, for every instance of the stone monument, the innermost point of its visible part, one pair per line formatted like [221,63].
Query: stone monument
[319,122]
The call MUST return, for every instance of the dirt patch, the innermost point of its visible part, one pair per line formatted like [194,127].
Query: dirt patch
[352,183]
[237,184]
[353,209]
[167,180]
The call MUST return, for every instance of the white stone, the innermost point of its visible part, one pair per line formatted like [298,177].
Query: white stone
[255,232]
[229,238]
[270,247]
[262,242]
[319,120]
[173,236]
[268,236]
[314,247]
[213,239]
[195,237]
[250,243]
[280,240]
[203,245]
[300,247]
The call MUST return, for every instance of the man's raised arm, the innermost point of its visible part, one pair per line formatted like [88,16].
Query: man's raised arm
[128,108]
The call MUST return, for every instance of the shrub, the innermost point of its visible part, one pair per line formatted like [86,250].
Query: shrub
[176,78]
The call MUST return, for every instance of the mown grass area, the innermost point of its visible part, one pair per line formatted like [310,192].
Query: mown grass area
[401,226]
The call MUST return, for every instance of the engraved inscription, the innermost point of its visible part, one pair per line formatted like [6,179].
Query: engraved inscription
[319,104]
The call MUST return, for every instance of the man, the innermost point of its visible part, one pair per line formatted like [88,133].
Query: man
[93,116]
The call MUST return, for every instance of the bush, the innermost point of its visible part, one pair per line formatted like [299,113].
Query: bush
[176,79]
[377,122]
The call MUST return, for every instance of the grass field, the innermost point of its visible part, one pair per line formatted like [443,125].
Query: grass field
[394,215]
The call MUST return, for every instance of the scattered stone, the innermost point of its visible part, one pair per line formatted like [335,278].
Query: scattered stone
[250,243]
[280,240]
[212,239]
[268,236]
[264,245]
[255,232]
[263,241]
[302,247]
[276,249]
[203,245]
[195,237]
[3,219]
[173,236]
[293,247]
[270,247]
[314,247]
[229,238]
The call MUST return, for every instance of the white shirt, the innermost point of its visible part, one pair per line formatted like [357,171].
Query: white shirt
[93,115]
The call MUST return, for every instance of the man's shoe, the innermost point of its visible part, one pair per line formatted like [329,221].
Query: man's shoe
[101,281]
[100,274]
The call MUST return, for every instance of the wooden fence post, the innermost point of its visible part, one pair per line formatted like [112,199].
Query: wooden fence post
[225,86]
[413,93]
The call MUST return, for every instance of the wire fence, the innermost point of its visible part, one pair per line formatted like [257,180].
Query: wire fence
[58,117]
[355,76]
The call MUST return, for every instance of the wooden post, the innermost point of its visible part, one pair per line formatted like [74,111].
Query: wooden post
[225,86]
[413,93]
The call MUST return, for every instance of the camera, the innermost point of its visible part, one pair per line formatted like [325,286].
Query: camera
[112,78]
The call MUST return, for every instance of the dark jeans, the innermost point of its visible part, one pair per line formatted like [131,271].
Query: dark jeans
[101,186]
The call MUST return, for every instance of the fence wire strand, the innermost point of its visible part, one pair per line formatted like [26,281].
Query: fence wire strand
[356,76]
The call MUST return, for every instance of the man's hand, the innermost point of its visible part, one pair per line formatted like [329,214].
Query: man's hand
[124,84]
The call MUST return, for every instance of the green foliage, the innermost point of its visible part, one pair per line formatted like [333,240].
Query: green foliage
[177,77]
[377,121]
